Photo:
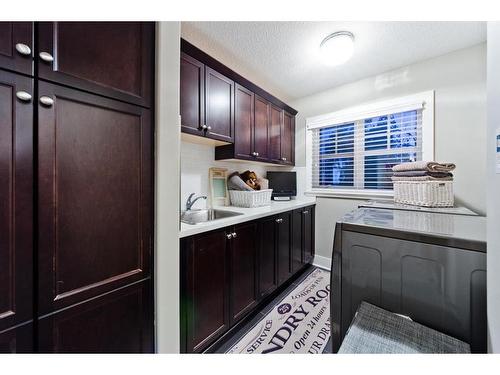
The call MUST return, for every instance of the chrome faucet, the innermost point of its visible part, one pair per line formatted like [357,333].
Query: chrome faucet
[190,201]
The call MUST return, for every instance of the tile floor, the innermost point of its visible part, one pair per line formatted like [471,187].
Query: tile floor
[276,301]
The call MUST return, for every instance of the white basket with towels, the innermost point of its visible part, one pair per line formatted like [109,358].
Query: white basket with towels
[250,199]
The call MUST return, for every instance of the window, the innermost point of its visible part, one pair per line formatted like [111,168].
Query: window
[353,151]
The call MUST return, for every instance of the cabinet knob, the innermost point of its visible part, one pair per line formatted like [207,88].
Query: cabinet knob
[23,49]
[279,221]
[284,159]
[209,128]
[305,212]
[23,96]
[45,56]
[202,127]
[234,234]
[229,236]
[47,101]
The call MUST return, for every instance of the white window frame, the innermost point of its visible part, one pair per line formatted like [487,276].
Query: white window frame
[422,100]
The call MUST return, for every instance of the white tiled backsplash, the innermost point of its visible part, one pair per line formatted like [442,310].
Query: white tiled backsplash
[196,159]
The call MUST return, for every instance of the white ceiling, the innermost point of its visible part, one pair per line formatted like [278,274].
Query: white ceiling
[281,57]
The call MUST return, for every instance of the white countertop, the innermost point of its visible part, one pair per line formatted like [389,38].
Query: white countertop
[248,215]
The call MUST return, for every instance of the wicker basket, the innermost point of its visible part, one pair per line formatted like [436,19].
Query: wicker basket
[250,199]
[424,193]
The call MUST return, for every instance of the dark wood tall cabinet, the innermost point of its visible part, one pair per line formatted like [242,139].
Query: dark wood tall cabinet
[268,280]
[113,59]
[90,85]
[16,200]
[16,47]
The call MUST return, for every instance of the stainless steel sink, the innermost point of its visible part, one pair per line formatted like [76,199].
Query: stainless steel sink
[202,216]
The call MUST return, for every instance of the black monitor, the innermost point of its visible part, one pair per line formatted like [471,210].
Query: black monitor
[284,184]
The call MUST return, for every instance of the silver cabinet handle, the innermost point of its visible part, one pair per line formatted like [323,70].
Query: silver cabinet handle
[234,234]
[229,236]
[47,101]
[24,96]
[203,127]
[45,56]
[256,154]
[23,49]
[305,212]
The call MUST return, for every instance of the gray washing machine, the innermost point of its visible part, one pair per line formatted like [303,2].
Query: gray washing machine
[429,266]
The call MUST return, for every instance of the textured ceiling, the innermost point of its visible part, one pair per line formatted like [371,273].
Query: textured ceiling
[282,57]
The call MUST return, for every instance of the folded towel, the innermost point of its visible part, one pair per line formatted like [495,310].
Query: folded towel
[422,173]
[430,166]
[420,178]
[234,182]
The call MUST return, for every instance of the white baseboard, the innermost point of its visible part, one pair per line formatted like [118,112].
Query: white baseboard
[323,262]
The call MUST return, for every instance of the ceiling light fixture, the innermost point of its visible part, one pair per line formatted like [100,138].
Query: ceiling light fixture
[337,48]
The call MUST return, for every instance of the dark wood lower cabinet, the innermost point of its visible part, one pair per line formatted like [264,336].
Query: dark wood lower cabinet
[118,322]
[205,299]
[284,229]
[17,340]
[227,272]
[243,254]
[268,280]
[308,214]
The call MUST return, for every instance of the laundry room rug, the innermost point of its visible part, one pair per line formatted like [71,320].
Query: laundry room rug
[300,323]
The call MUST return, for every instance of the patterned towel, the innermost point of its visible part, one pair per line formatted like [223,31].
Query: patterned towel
[420,178]
[422,173]
[430,166]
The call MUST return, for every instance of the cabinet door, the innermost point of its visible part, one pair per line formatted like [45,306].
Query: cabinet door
[297,240]
[284,246]
[308,233]
[16,200]
[267,256]
[13,37]
[118,322]
[17,340]
[275,127]
[261,139]
[94,193]
[288,139]
[113,59]
[243,123]
[219,106]
[207,290]
[243,270]
[192,93]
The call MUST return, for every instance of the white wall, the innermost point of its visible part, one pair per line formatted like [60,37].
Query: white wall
[493,262]
[196,159]
[459,81]
[167,187]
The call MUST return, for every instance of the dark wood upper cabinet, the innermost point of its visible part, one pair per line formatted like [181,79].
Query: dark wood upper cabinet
[261,128]
[268,281]
[288,139]
[16,46]
[94,194]
[244,123]
[192,95]
[206,291]
[243,253]
[118,322]
[16,200]
[284,229]
[275,127]
[114,59]
[219,106]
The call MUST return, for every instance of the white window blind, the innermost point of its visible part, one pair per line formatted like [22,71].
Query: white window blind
[359,154]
